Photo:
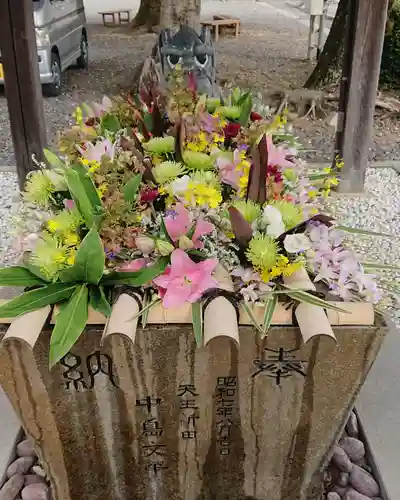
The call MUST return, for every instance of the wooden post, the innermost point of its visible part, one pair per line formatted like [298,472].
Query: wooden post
[22,84]
[359,89]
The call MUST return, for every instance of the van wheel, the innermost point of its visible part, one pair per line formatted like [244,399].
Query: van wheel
[53,89]
[83,60]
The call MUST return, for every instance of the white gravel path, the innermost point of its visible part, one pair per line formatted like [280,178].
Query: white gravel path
[377,210]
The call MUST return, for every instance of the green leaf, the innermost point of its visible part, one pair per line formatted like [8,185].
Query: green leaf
[246,108]
[148,121]
[89,261]
[35,299]
[269,312]
[52,159]
[242,98]
[80,196]
[383,267]
[88,185]
[131,188]
[137,278]
[253,319]
[98,301]
[19,276]
[356,230]
[235,96]
[146,309]
[110,123]
[34,269]
[197,319]
[312,299]
[163,231]
[70,323]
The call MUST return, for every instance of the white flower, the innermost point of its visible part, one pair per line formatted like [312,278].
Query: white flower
[272,218]
[179,186]
[295,243]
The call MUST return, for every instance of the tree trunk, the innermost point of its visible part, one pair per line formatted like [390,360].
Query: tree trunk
[329,65]
[180,12]
[148,14]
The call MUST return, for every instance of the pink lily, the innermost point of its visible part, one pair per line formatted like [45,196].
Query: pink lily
[185,281]
[277,155]
[97,151]
[100,109]
[230,170]
[178,224]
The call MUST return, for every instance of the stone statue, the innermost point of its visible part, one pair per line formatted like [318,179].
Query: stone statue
[193,53]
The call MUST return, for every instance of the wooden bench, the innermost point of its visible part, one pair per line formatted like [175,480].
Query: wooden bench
[122,16]
[222,21]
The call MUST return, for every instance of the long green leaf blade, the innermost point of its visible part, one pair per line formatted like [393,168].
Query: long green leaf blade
[89,261]
[80,197]
[52,159]
[137,278]
[382,267]
[197,319]
[253,319]
[70,323]
[365,232]
[269,312]
[35,299]
[315,301]
[146,309]
[87,183]
[246,108]
[19,276]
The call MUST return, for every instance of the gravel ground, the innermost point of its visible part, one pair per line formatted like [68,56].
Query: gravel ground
[268,55]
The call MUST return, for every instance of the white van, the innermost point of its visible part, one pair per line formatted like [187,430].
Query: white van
[62,40]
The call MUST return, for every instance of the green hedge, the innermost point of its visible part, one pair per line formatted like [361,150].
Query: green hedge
[390,68]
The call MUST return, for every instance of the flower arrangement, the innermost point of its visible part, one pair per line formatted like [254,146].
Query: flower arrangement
[159,193]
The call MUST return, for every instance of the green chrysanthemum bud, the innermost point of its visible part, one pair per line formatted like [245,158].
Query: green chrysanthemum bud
[249,209]
[160,145]
[229,112]
[167,171]
[290,174]
[262,252]
[212,104]
[38,189]
[198,161]
[292,215]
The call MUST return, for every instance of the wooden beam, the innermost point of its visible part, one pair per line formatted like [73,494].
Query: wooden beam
[22,84]
[359,88]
